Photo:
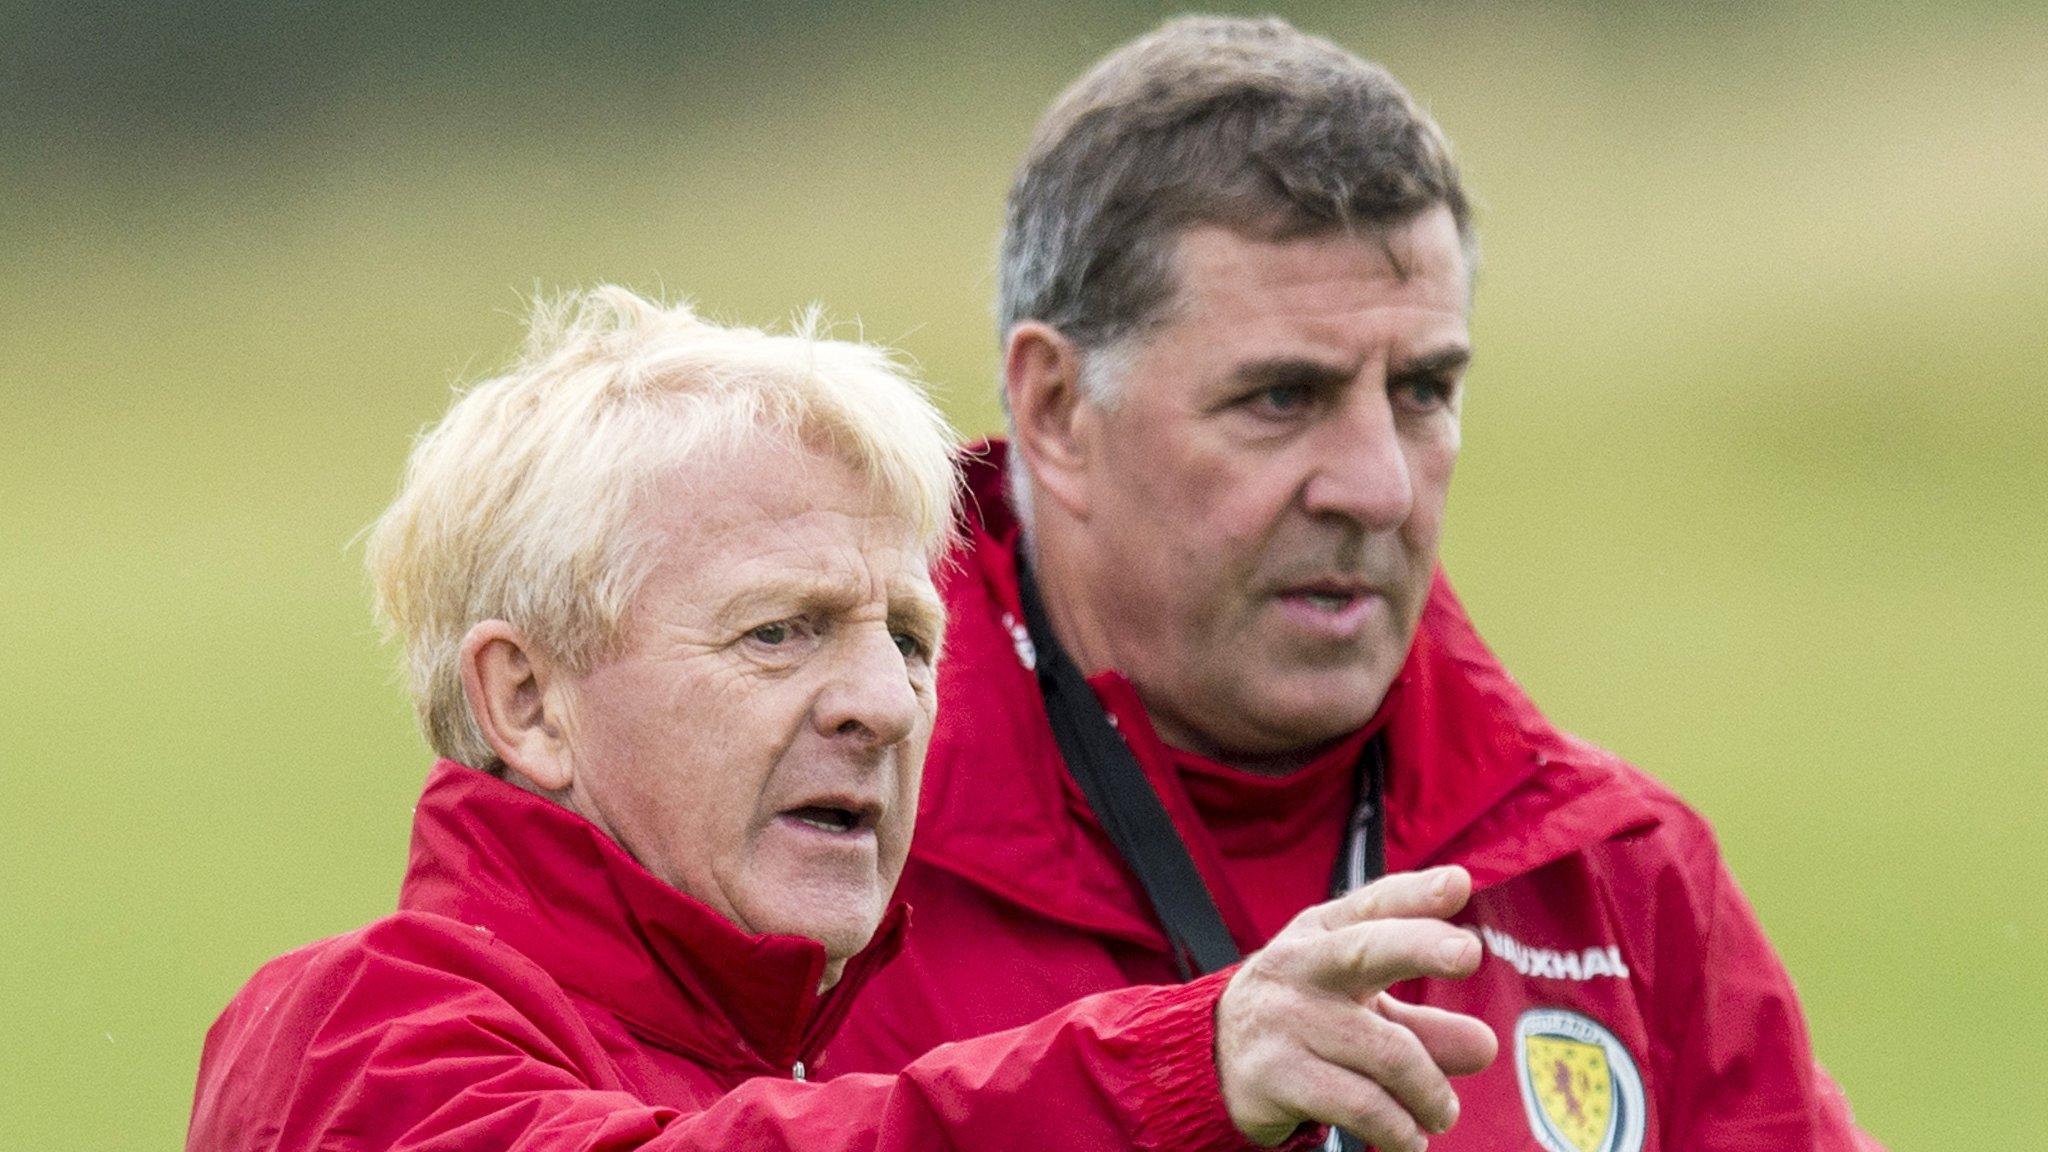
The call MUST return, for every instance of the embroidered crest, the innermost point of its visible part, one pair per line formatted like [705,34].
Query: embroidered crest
[1580,1087]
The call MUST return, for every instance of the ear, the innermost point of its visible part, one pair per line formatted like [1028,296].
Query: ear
[507,685]
[1053,421]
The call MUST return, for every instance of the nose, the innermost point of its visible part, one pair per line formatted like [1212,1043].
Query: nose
[1360,469]
[869,699]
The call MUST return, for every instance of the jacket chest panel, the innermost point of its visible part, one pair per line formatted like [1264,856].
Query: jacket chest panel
[1560,990]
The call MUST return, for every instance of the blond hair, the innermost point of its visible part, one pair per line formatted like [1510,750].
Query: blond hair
[519,504]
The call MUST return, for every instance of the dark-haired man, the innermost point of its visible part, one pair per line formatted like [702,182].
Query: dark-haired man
[1204,667]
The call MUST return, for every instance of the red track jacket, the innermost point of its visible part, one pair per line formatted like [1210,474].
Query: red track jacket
[1637,1002]
[539,991]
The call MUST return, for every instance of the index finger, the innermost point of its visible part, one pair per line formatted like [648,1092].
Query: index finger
[1432,894]
[1376,954]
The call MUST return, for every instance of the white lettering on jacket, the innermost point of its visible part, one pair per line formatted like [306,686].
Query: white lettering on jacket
[1549,963]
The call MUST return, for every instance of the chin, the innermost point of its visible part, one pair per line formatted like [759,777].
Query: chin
[1321,708]
[843,931]
[842,944]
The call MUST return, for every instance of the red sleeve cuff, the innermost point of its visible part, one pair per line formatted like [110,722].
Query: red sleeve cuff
[1180,1099]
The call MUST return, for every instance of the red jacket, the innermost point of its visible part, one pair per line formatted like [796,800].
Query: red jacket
[539,991]
[1637,1002]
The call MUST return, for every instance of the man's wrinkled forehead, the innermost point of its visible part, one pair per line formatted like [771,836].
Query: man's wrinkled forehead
[1209,275]
[770,505]
[1411,246]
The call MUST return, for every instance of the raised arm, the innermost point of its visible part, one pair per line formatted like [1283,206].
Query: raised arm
[1298,1036]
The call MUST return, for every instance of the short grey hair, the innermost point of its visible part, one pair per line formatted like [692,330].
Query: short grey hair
[1248,124]
[521,504]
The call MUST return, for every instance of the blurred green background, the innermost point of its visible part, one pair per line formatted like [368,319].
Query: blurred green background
[1752,487]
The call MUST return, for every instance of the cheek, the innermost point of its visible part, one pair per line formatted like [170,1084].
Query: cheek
[1160,464]
[910,774]
[1202,498]
[1431,462]
[702,756]
[1246,513]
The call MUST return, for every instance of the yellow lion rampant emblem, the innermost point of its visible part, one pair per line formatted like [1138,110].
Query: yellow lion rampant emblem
[1579,1085]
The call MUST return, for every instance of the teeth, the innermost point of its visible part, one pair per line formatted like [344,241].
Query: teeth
[1331,600]
[826,826]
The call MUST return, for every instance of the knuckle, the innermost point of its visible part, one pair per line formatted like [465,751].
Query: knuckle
[1274,960]
[1366,902]
[1390,1049]
[1363,944]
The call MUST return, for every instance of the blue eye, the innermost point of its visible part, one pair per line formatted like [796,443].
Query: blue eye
[780,632]
[1284,398]
[1424,393]
[912,647]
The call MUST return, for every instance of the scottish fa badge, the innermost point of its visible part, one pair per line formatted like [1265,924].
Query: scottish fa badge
[1580,1087]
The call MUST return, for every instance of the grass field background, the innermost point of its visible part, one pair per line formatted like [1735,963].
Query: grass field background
[1756,446]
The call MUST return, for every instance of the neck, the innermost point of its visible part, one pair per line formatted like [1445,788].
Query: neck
[1063,582]
[1189,739]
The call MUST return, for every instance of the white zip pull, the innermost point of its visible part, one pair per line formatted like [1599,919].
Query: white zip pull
[796,1071]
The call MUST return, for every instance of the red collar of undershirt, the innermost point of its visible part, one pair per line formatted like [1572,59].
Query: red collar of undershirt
[1226,813]
[1250,813]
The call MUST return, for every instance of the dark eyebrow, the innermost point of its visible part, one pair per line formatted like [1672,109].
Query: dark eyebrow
[1442,362]
[1292,372]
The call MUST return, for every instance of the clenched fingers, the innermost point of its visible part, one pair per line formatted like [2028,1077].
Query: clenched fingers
[1330,1094]
[1393,1058]
[1459,1045]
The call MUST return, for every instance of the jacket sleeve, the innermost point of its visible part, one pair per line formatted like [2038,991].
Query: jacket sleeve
[1132,1069]
[1746,1074]
[380,1054]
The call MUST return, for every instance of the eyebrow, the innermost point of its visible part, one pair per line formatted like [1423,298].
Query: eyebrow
[824,593]
[788,592]
[1300,372]
[1291,372]
[1442,362]
[917,610]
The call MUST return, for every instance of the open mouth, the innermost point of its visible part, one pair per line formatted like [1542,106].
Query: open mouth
[1327,601]
[829,818]
[1333,609]
[1327,595]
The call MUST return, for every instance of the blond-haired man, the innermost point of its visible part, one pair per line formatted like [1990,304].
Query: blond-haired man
[664,594]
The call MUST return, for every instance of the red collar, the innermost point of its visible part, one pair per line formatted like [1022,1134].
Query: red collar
[552,886]
[1475,775]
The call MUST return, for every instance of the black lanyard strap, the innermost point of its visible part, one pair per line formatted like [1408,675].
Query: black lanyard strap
[1130,811]
[1124,801]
